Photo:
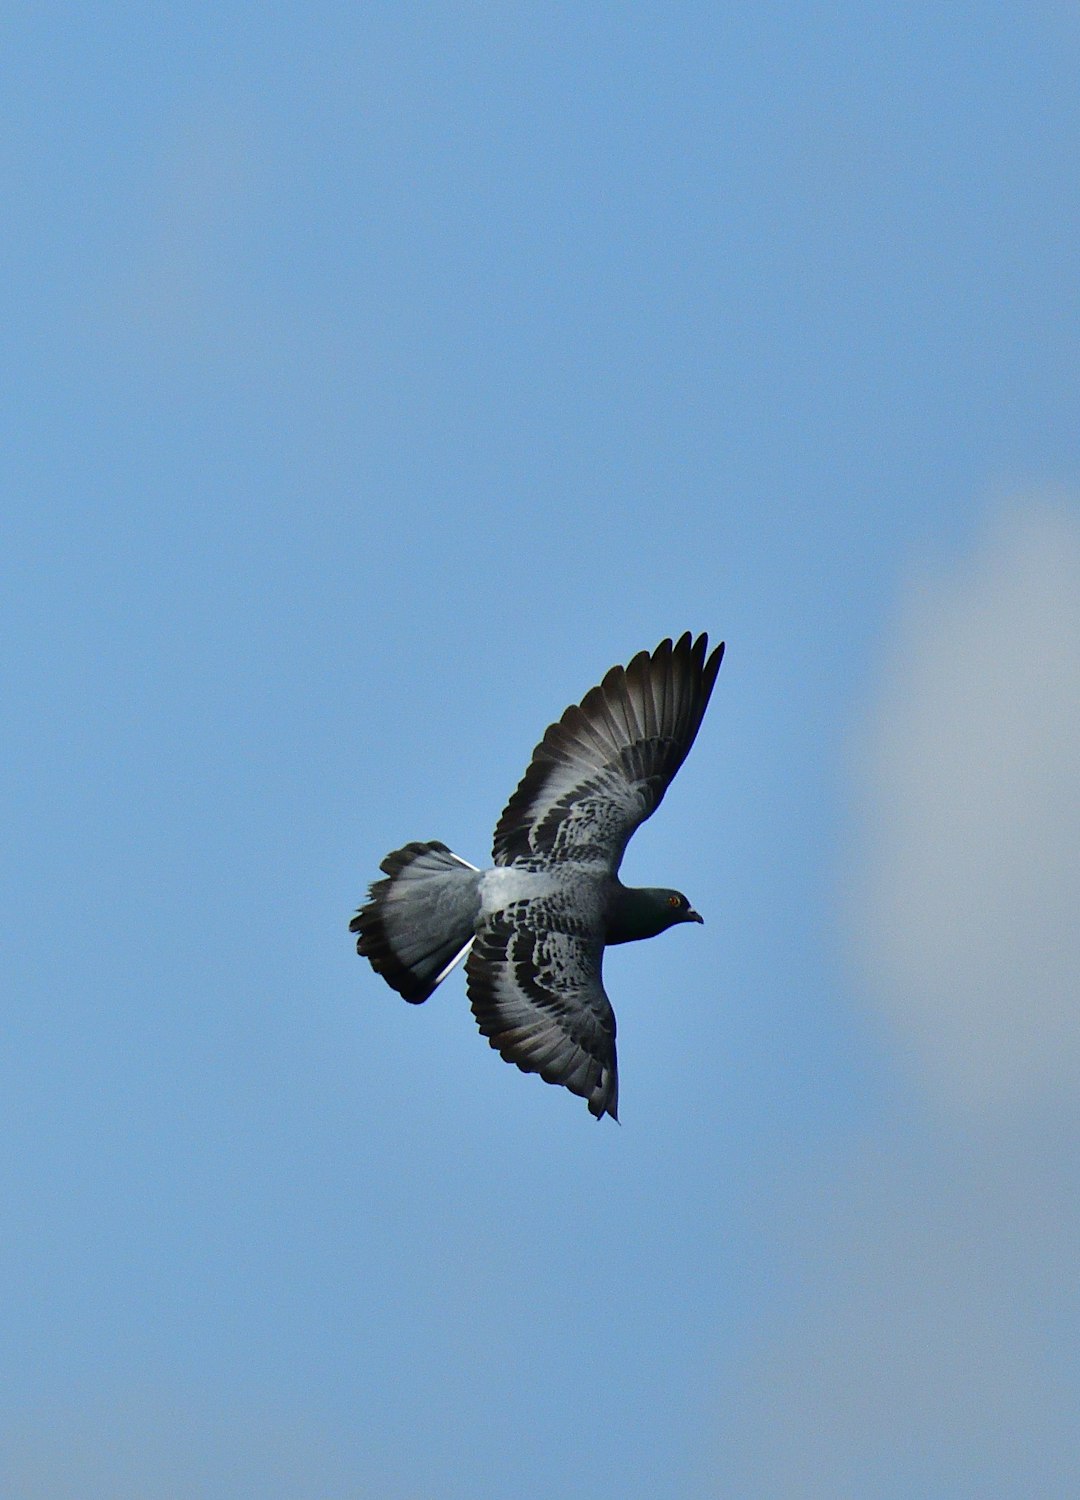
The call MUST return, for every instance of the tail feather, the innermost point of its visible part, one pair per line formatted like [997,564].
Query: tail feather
[420,921]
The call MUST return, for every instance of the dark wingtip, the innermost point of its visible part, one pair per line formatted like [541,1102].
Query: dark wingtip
[696,650]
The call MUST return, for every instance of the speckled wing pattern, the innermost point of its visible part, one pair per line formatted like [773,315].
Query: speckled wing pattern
[604,767]
[534,972]
[534,978]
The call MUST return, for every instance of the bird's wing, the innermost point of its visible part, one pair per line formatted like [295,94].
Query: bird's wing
[604,767]
[538,996]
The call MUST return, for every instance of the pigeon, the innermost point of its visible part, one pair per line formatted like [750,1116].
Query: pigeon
[532,930]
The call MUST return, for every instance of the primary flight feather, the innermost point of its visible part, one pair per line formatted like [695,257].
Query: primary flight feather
[535,926]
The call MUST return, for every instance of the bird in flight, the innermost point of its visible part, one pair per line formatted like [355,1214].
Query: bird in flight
[533,929]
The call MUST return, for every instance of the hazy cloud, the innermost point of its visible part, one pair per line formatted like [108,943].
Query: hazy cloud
[923,1345]
[157,1445]
[963,914]
[192,234]
[922,1341]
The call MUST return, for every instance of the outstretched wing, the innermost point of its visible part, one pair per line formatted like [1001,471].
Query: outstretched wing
[537,995]
[604,767]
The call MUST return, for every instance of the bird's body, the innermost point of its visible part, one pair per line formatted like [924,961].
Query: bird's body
[534,927]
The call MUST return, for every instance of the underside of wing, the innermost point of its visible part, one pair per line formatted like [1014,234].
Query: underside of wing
[604,767]
[538,996]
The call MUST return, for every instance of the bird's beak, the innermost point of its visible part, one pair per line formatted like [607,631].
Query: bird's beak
[695,916]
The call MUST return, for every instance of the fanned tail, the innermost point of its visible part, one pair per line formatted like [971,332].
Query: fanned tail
[420,921]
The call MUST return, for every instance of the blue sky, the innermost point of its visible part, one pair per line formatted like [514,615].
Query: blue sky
[374,378]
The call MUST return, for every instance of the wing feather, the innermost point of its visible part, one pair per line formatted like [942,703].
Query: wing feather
[604,767]
[536,991]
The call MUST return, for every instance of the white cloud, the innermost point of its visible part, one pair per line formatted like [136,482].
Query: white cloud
[922,1336]
[964,904]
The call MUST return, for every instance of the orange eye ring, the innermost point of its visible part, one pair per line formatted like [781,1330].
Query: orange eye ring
[674,900]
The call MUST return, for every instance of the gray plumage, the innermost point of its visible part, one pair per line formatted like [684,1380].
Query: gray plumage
[533,929]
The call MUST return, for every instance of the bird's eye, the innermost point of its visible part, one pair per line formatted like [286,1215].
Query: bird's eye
[674,900]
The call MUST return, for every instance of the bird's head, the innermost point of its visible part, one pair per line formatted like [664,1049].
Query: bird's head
[676,908]
[644,912]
